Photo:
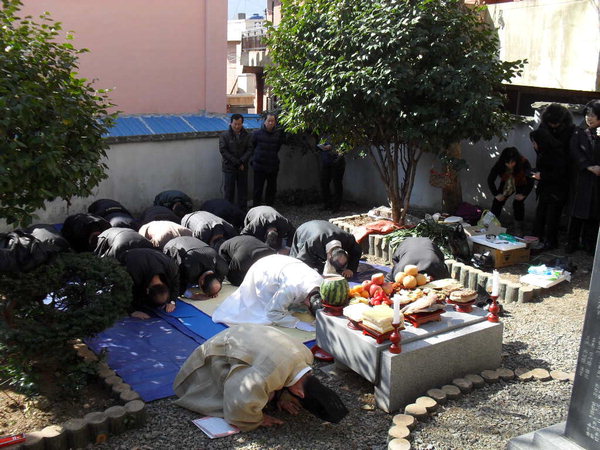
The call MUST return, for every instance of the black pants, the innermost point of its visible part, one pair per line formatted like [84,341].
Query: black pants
[586,229]
[260,178]
[547,220]
[239,180]
[518,208]
[332,173]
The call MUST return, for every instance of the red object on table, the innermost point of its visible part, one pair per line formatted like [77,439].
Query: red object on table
[418,319]
[494,309]
[331,310]
[395,338]
[5,441]
[464,307]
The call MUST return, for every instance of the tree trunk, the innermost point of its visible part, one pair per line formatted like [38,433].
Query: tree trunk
[452,195]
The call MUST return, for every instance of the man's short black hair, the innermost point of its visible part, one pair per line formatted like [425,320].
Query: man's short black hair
[273,240]
[236,117]
[322,402]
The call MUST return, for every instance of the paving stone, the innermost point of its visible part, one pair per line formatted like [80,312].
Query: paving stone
[541,374]
[506,374]
[405,420]
[559,375]
[399,444]
[418,411]
[429,403]
[398,432]
[523,374]
[438,395]
[463,384]
[490,376]
[451,391]
[477,380]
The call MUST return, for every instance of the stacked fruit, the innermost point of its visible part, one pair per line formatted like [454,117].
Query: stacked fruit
[410,278]
[375,291]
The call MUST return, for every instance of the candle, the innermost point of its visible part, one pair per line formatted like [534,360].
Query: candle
[396,309]
[495,283]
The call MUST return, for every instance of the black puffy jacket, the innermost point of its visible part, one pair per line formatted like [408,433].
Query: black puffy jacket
[114,242]
[266,148]
[114,212]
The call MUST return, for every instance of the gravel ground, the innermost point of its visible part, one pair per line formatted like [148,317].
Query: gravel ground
[544,334]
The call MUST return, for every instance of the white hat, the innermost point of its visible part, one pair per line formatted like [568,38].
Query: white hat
[331,245]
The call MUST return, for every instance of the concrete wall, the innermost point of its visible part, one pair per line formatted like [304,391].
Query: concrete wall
[159,56]
[559,38]
[139,171]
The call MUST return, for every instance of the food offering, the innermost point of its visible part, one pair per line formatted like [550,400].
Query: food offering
[462,299]
[334,291]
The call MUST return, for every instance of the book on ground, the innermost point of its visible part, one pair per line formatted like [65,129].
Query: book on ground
[215,427]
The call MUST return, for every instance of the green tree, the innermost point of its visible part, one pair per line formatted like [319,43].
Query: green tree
[51,121]
[390,77]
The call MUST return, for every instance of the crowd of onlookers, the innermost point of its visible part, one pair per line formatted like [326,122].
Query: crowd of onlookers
[567,172]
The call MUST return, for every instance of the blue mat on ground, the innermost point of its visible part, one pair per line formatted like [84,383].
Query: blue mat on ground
[147,354]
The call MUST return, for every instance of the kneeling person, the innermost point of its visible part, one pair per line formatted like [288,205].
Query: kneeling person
[237,372]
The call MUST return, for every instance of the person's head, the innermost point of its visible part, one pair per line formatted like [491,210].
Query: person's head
[556,116]
[272,239]
[318,399]
[314,302]
[541,139]
[158,292]
[338,258]
[209,283]
[592,114]
[180,209]
[93,238]
[510,158]
[270,122]
[236,123]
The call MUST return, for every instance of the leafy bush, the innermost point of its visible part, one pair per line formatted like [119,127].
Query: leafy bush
[52,121]
[44,310]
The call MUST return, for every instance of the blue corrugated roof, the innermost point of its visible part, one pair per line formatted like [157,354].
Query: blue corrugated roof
[174,123]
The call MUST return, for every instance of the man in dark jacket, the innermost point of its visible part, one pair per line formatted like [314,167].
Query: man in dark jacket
[50,236]
[156,213]
[114,242]
[265,161]
[267,225]
[209,228]
[421,252]
[240,252]
[310,245]
[155,280]
[199,264]
[333,166]
[225,210]
[178,202]
[114,212]
[82,230]
[235,146]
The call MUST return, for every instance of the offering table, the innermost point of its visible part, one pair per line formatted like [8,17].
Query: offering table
[432,355]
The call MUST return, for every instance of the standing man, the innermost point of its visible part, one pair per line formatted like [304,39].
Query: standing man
[267,142]
[333,166]
[235,146]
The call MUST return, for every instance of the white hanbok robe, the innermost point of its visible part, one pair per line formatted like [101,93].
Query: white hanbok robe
[271,286]
[233,373]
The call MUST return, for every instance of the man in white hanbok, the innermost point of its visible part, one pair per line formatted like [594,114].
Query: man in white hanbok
[272,285]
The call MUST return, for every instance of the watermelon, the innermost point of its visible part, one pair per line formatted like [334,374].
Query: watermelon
[334,290]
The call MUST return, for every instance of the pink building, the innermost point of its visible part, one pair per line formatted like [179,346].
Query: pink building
[158,56]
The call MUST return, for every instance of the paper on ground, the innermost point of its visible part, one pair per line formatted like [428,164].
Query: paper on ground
[215,427]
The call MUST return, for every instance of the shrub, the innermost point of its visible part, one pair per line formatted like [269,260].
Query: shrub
[44,310]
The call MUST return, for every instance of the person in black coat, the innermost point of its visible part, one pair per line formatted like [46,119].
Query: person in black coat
[82,230]
[558,121]
[50,236]
[155,280]
[156,213]
[209,228]
[585,204]
[311,242]
[225,210]
[552,186]
[333,166]
[240,252]
[265,161]
[513,169]
[115,241]
[267,225]
[235,146]
[199,264]
[178,202]
[421,252]
[114,212]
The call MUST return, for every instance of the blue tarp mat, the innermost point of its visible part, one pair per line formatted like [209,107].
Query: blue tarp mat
[366,270]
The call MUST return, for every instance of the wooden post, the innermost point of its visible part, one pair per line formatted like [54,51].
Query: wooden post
[97,426]
[136,412]
[116,419]
[34,441]
[55,437]
[78,435]
[128,396]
